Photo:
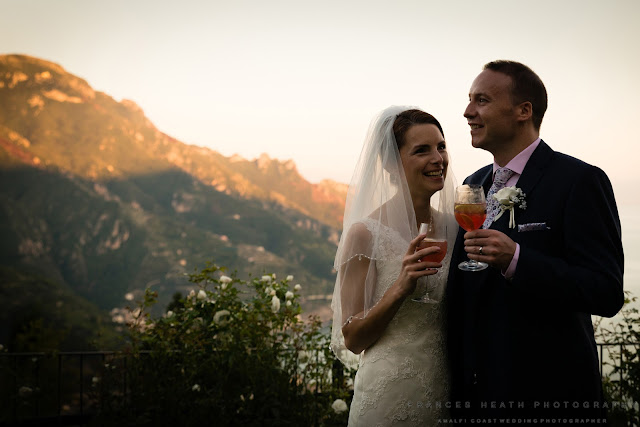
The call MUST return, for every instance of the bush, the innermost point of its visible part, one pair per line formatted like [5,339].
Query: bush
[621,380]
[232,352]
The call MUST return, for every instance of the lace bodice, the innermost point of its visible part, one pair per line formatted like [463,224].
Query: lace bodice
[402,378]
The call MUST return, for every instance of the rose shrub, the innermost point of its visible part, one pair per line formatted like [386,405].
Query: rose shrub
[229,354]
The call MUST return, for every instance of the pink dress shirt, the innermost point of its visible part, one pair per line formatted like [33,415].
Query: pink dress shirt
[517,165]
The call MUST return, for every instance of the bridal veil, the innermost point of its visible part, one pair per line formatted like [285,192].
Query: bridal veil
[378,191]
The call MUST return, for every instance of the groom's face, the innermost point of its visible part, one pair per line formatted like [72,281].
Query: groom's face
[491,114]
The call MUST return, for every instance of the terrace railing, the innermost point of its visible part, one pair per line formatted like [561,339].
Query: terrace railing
[66,388]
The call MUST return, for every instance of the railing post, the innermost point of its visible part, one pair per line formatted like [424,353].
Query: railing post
[81,384]
[15,387]
[318,379]
[338,373]
[601,356]
[103,368]
[59,386]
[621,369]
[36,360]
[124,376]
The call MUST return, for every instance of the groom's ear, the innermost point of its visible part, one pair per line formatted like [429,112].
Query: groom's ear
[524,111]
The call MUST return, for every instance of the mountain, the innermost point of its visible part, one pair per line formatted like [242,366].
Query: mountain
[60,120]
[94,198]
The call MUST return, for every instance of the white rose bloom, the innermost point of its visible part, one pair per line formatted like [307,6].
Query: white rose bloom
[288,304]
[225,279]
[223,286]
[504,195]
[297,287]
[288,295]
[275,304]
[202,294]
[266,279]
[339,406]
[25,391]
[128,296]
[192,293]
[289,278]
[196,387]
[303,356]
[219,317]
[272,293]
[169,313]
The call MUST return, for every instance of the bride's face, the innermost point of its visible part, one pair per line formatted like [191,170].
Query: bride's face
[424,159]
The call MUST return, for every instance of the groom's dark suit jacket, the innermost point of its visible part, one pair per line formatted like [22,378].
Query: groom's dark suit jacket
[530,340]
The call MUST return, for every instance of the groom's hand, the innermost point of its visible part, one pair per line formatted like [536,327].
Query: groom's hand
[497,247]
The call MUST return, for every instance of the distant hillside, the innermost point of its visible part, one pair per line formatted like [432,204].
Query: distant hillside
[41,315]
[94,197]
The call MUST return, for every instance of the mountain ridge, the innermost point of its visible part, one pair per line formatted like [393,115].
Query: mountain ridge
[262,178]
[96,198]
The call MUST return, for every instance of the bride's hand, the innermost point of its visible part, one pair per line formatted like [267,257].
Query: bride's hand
[413,269]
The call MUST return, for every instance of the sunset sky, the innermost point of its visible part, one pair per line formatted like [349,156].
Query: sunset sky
[301,80]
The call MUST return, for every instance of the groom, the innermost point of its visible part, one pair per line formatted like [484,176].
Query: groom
[520,338]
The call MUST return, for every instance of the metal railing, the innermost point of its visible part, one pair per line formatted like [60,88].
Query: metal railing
[65,388]
[619,361]
[58,388]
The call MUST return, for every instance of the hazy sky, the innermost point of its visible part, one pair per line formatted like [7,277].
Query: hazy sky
[301,79]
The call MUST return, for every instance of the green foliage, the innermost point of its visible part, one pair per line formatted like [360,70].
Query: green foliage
[621,362]
[233,351]
[44,316]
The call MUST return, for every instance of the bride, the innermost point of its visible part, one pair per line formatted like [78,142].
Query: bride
[400,181]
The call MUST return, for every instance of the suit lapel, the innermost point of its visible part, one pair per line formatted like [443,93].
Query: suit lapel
[535,167]
[487,180]
[533,171]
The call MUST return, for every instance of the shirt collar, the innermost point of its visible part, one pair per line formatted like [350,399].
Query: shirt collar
[518,163]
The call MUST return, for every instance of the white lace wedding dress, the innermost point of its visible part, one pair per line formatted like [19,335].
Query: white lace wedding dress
[402,379]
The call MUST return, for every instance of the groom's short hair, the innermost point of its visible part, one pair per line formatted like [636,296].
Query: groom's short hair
[526,86]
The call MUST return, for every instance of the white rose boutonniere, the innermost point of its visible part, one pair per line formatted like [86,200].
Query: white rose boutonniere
[510,198]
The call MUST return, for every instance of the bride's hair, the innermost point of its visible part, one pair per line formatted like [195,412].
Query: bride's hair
[409,118]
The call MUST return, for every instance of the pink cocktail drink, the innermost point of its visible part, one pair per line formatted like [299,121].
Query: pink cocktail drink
[470,216]
[434,257]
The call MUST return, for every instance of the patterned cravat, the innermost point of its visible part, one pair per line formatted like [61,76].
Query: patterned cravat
[493,207]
